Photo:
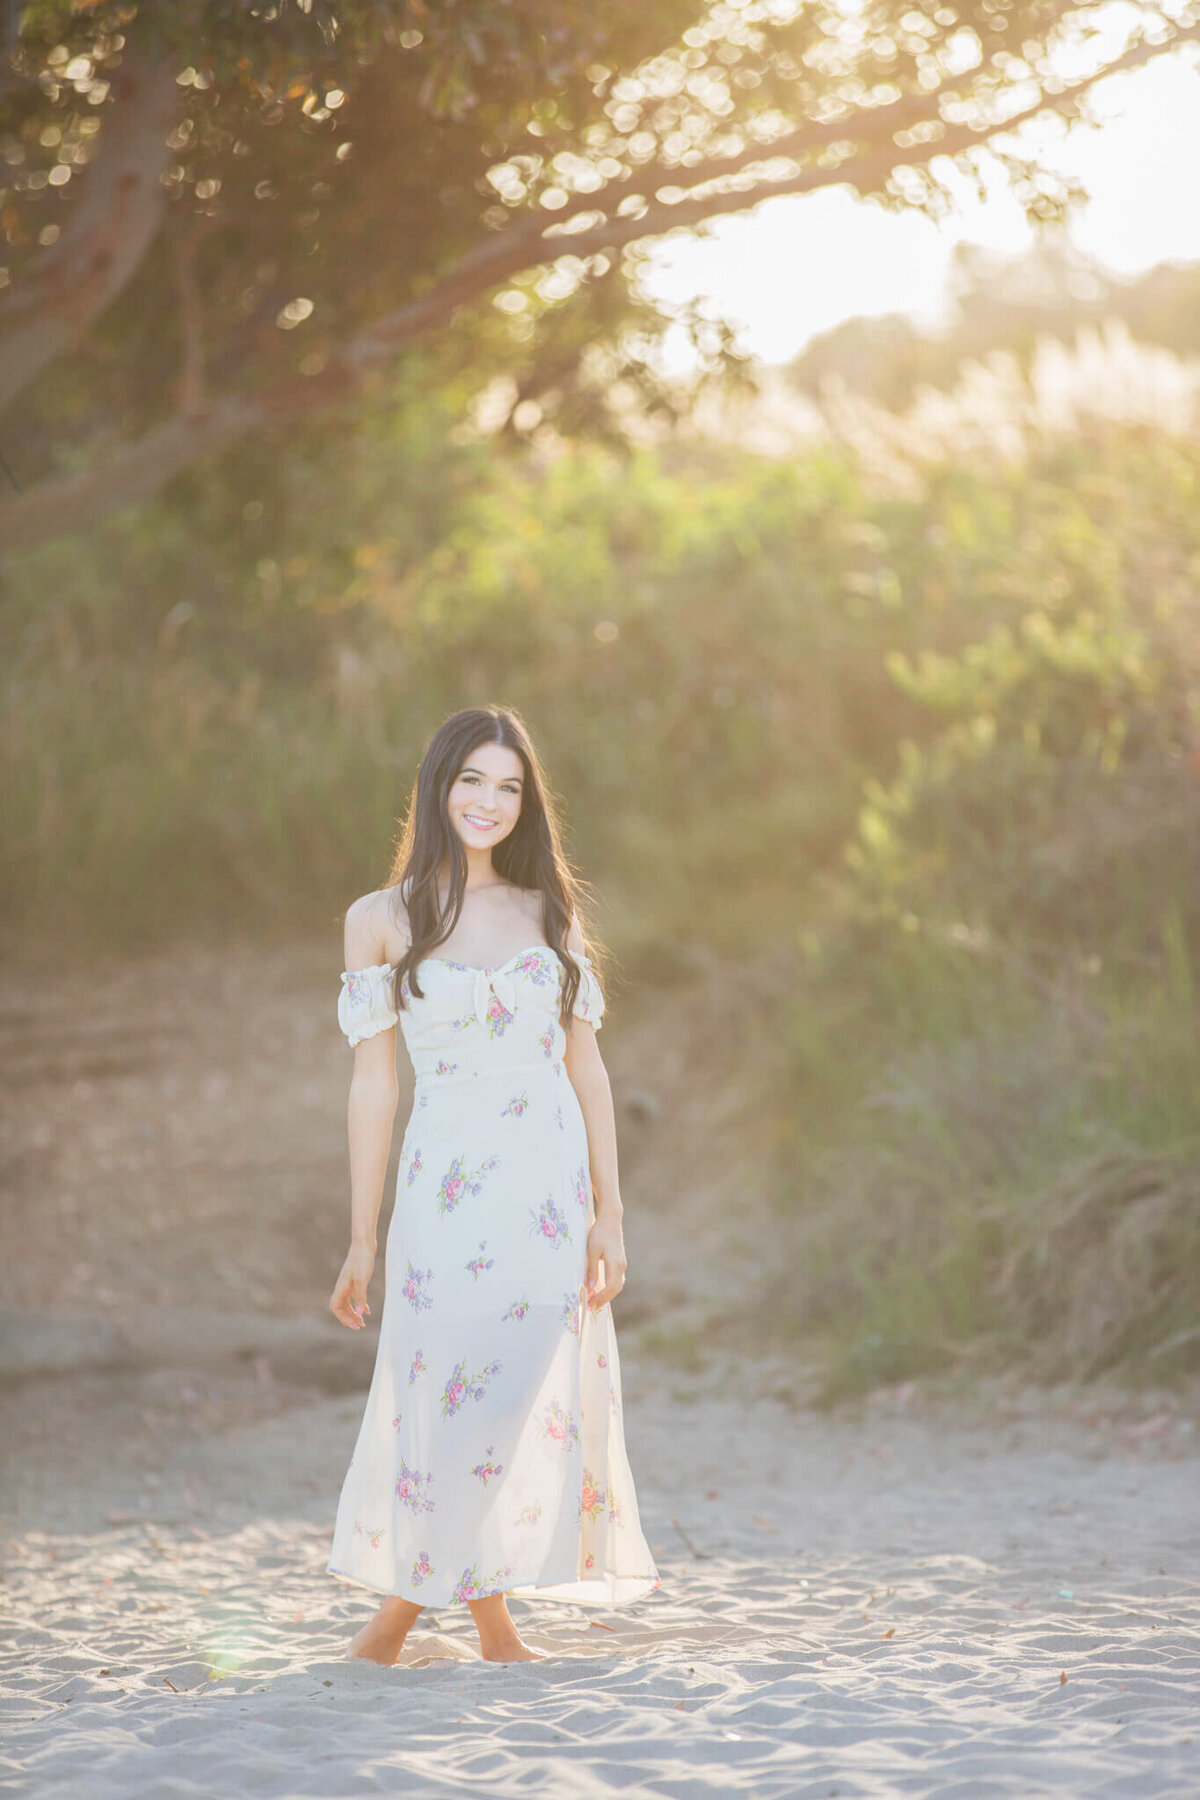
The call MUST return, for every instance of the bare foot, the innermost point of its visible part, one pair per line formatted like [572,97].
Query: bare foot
[499,1639]
[382,1639]
[511,1650]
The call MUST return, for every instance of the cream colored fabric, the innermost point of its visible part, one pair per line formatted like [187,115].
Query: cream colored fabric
[491,1454]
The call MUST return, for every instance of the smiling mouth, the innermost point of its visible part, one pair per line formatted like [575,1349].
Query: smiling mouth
[479,824]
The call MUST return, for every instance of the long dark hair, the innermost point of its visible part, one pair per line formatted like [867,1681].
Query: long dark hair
[531,856]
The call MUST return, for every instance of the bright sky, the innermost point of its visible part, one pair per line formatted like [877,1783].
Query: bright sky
[802,263]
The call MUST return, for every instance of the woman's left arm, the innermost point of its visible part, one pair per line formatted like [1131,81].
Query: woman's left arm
[606,1243]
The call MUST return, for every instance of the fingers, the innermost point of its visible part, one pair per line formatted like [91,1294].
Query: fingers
[348,1304]
[612,1286]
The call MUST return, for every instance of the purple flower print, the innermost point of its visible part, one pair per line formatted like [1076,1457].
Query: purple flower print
[417,1368]
[558,1427]
[517,1310]
[570,1314]
[410,1488]
[583,1185]
[592,1498]
[413,1290]
[422,1569]
[498,1017]
[457,1182]
[516,1107]
[550,1223]
[537,965]
[485,1470]
[558,1117]
[462,1387]
[414,1168]
[445,1068]
[529,1515]
[374,1538]
[471,1587]
[547,1041]
[478,1263]
[423,1102]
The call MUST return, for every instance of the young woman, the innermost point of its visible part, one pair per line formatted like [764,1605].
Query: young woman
[491,1456]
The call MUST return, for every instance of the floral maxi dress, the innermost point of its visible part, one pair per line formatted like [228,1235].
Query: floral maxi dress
[491,1454]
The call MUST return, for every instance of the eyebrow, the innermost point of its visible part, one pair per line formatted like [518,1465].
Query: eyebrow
[471,770]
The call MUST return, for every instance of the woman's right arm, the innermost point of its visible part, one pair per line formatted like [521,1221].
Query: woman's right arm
[370,1116]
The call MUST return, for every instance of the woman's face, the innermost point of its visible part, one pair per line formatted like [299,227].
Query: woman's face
[485,801]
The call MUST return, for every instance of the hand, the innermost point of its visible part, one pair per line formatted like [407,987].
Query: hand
[349,1299]
[606,1245]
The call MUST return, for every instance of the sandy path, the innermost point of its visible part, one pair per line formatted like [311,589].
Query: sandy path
[876,1605]
[882,1602]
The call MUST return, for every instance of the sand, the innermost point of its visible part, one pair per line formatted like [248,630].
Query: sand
[943,1592]
[912,1598]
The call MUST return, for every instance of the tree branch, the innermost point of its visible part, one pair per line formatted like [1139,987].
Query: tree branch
[139,470]
[106,236]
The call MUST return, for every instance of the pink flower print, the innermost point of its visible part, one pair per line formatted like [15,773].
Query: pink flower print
[478,1263]
[461,1024]
[485,1470]
[445,1068]
[417,1368]
[529,1515]
[550,1223]
[583,1185]
[374,1538]
[396,1421]
[516,1107]
[547,1041]
[471,1587]
[535,964]
[498,1017]
[458,1181]
[570,1314]
[410,1488]
[413,1290]
[414,1168]
[517,1310]
[558,1427]
[592,1498]
[422,1569]
[601,1360]
[589,1561]
[462,1387]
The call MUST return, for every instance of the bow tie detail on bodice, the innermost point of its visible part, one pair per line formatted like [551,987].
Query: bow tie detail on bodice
[495,992]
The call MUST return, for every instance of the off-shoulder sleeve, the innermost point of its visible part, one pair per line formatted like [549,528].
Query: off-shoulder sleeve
[365,1005]
[589,1001]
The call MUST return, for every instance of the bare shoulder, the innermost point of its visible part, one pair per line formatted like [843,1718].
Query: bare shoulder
[376,929]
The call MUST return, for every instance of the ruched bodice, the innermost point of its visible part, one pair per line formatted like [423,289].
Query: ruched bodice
[471,1021]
